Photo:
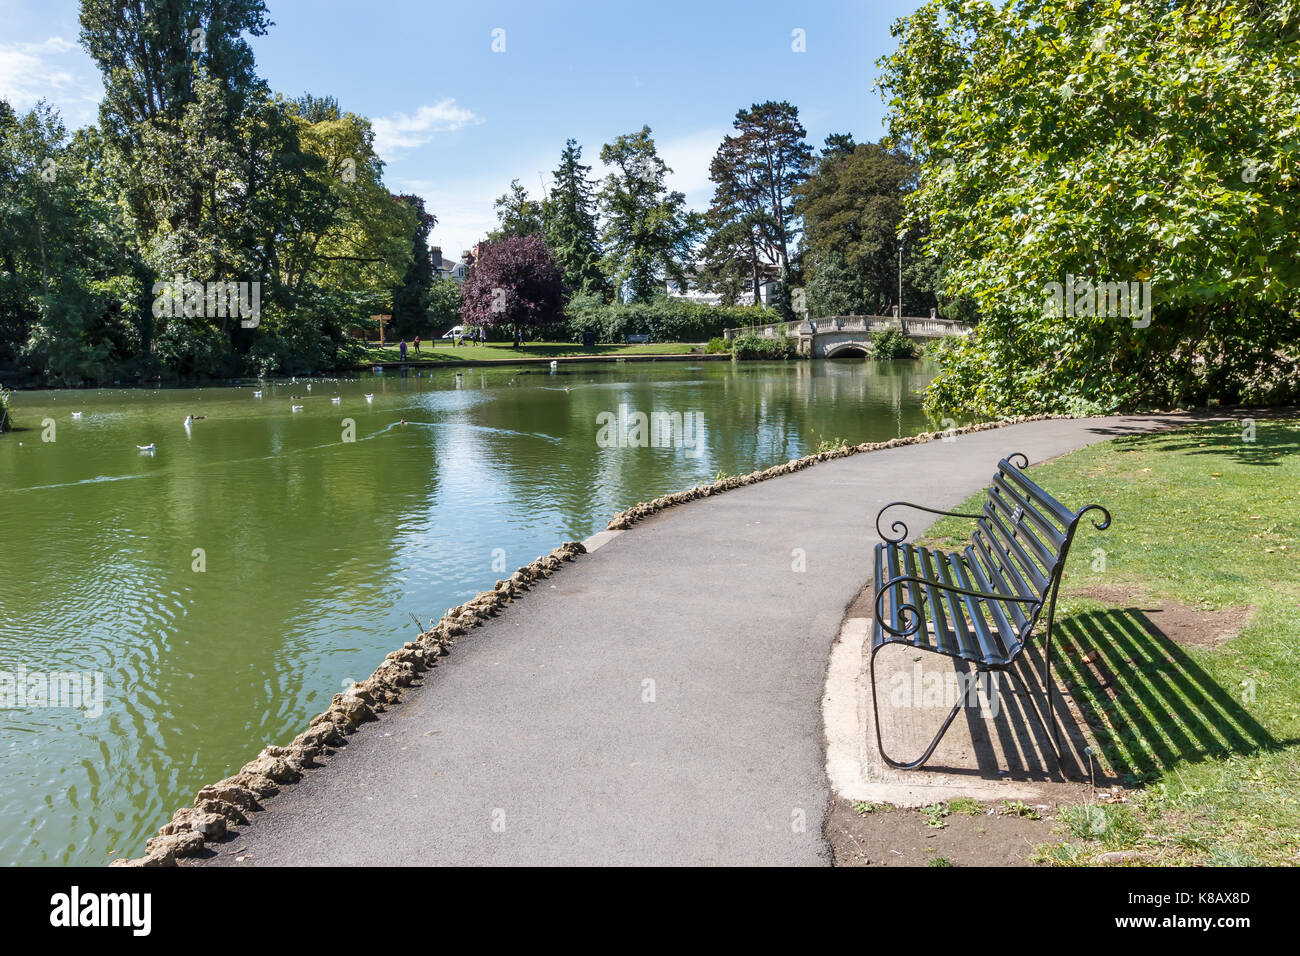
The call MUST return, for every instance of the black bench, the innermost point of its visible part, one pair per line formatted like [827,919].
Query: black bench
[637,339]
[981,604]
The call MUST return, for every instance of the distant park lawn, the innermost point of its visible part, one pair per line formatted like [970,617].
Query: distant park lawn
[445,352]
[1209,731]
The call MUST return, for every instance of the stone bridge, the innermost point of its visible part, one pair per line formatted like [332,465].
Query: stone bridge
[844,336]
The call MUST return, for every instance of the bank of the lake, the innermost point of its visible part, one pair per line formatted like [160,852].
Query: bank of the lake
[228,583]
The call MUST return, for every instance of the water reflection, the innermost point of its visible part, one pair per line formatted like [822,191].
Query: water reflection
[315,548]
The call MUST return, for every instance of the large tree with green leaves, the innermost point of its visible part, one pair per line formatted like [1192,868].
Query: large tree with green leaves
[756,172]
[1110,143]
[518,213]
[571,230]
[852,209]
[648,232]
[411,297]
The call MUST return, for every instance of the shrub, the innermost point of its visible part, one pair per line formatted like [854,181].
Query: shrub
[717,345]
[892,344]
[749,346]
[664,320]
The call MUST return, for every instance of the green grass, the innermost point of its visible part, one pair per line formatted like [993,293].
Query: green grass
[443,352]
[1210,736]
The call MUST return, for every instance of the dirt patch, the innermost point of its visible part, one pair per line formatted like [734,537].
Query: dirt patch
[1185,626]
[895,837]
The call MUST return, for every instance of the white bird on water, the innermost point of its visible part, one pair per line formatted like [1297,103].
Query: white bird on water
[309,386]
[370,397]
[297,408]
[76,414]
[148,447]
[336,400]
[258,393]
[554,364]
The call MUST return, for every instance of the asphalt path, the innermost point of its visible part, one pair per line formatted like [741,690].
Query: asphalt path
[656,701]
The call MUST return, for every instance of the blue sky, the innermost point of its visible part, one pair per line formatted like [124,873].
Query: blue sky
[456,121]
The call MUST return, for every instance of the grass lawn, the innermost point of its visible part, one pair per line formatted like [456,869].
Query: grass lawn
[444,351]
[1209,732]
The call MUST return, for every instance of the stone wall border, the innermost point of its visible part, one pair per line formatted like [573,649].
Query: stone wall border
[221,806]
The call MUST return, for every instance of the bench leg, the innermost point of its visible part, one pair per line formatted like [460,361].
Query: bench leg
[880,744]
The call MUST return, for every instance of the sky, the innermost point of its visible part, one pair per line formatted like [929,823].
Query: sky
[466,97]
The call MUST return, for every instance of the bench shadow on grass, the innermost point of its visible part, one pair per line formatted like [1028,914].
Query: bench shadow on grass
[1139,699]
[1147,702]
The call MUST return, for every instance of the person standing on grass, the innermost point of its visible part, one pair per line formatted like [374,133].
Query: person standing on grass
[402,349]
[417,345]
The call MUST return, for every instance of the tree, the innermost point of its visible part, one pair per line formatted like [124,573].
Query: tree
[518,214]
[834,289]
[852,209]
[514,282]
[411,297]
[756,173]
[1100,147]
[571,230]
[648,230]
[67,288]
[444,305]
[154,58]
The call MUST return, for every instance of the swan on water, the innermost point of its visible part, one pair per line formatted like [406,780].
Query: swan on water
[296,408]
[148,447]
[370,397]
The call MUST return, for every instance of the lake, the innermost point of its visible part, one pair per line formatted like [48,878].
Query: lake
[225,585]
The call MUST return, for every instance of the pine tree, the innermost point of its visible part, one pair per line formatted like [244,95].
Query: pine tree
[571,226]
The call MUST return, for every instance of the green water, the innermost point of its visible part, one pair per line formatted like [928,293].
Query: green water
[228,583]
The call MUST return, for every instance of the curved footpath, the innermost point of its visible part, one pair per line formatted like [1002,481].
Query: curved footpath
[656,702]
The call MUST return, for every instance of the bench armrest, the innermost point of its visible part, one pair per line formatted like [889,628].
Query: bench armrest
[911,614]
[901,529]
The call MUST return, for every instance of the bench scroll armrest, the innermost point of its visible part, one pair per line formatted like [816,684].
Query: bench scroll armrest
[900,529]
[911,614]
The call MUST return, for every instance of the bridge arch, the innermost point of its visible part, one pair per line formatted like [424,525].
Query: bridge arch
[847,350]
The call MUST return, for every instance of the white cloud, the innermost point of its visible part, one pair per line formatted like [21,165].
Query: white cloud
[54,69]
[399,131]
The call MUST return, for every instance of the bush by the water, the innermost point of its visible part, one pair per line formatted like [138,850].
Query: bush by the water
[717,345]
[750,347]
[664,320]
[892,344]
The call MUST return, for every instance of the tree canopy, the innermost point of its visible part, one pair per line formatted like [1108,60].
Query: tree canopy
[1144,141]
[648,232]
[514,283]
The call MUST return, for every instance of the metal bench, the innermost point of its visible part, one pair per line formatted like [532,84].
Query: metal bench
[637,339]
[981,604]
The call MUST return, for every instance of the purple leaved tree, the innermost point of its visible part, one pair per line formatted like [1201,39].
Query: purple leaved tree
[514,282]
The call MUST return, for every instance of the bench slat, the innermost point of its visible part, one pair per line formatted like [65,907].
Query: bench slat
[944,636]
[1040,497]
[1004,633]
[936,570]
[1022,531]
[1016,500]
[999,532]
[1003,574]
[988,648]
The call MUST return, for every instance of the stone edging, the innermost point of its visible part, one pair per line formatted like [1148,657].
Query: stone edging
[224,804]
